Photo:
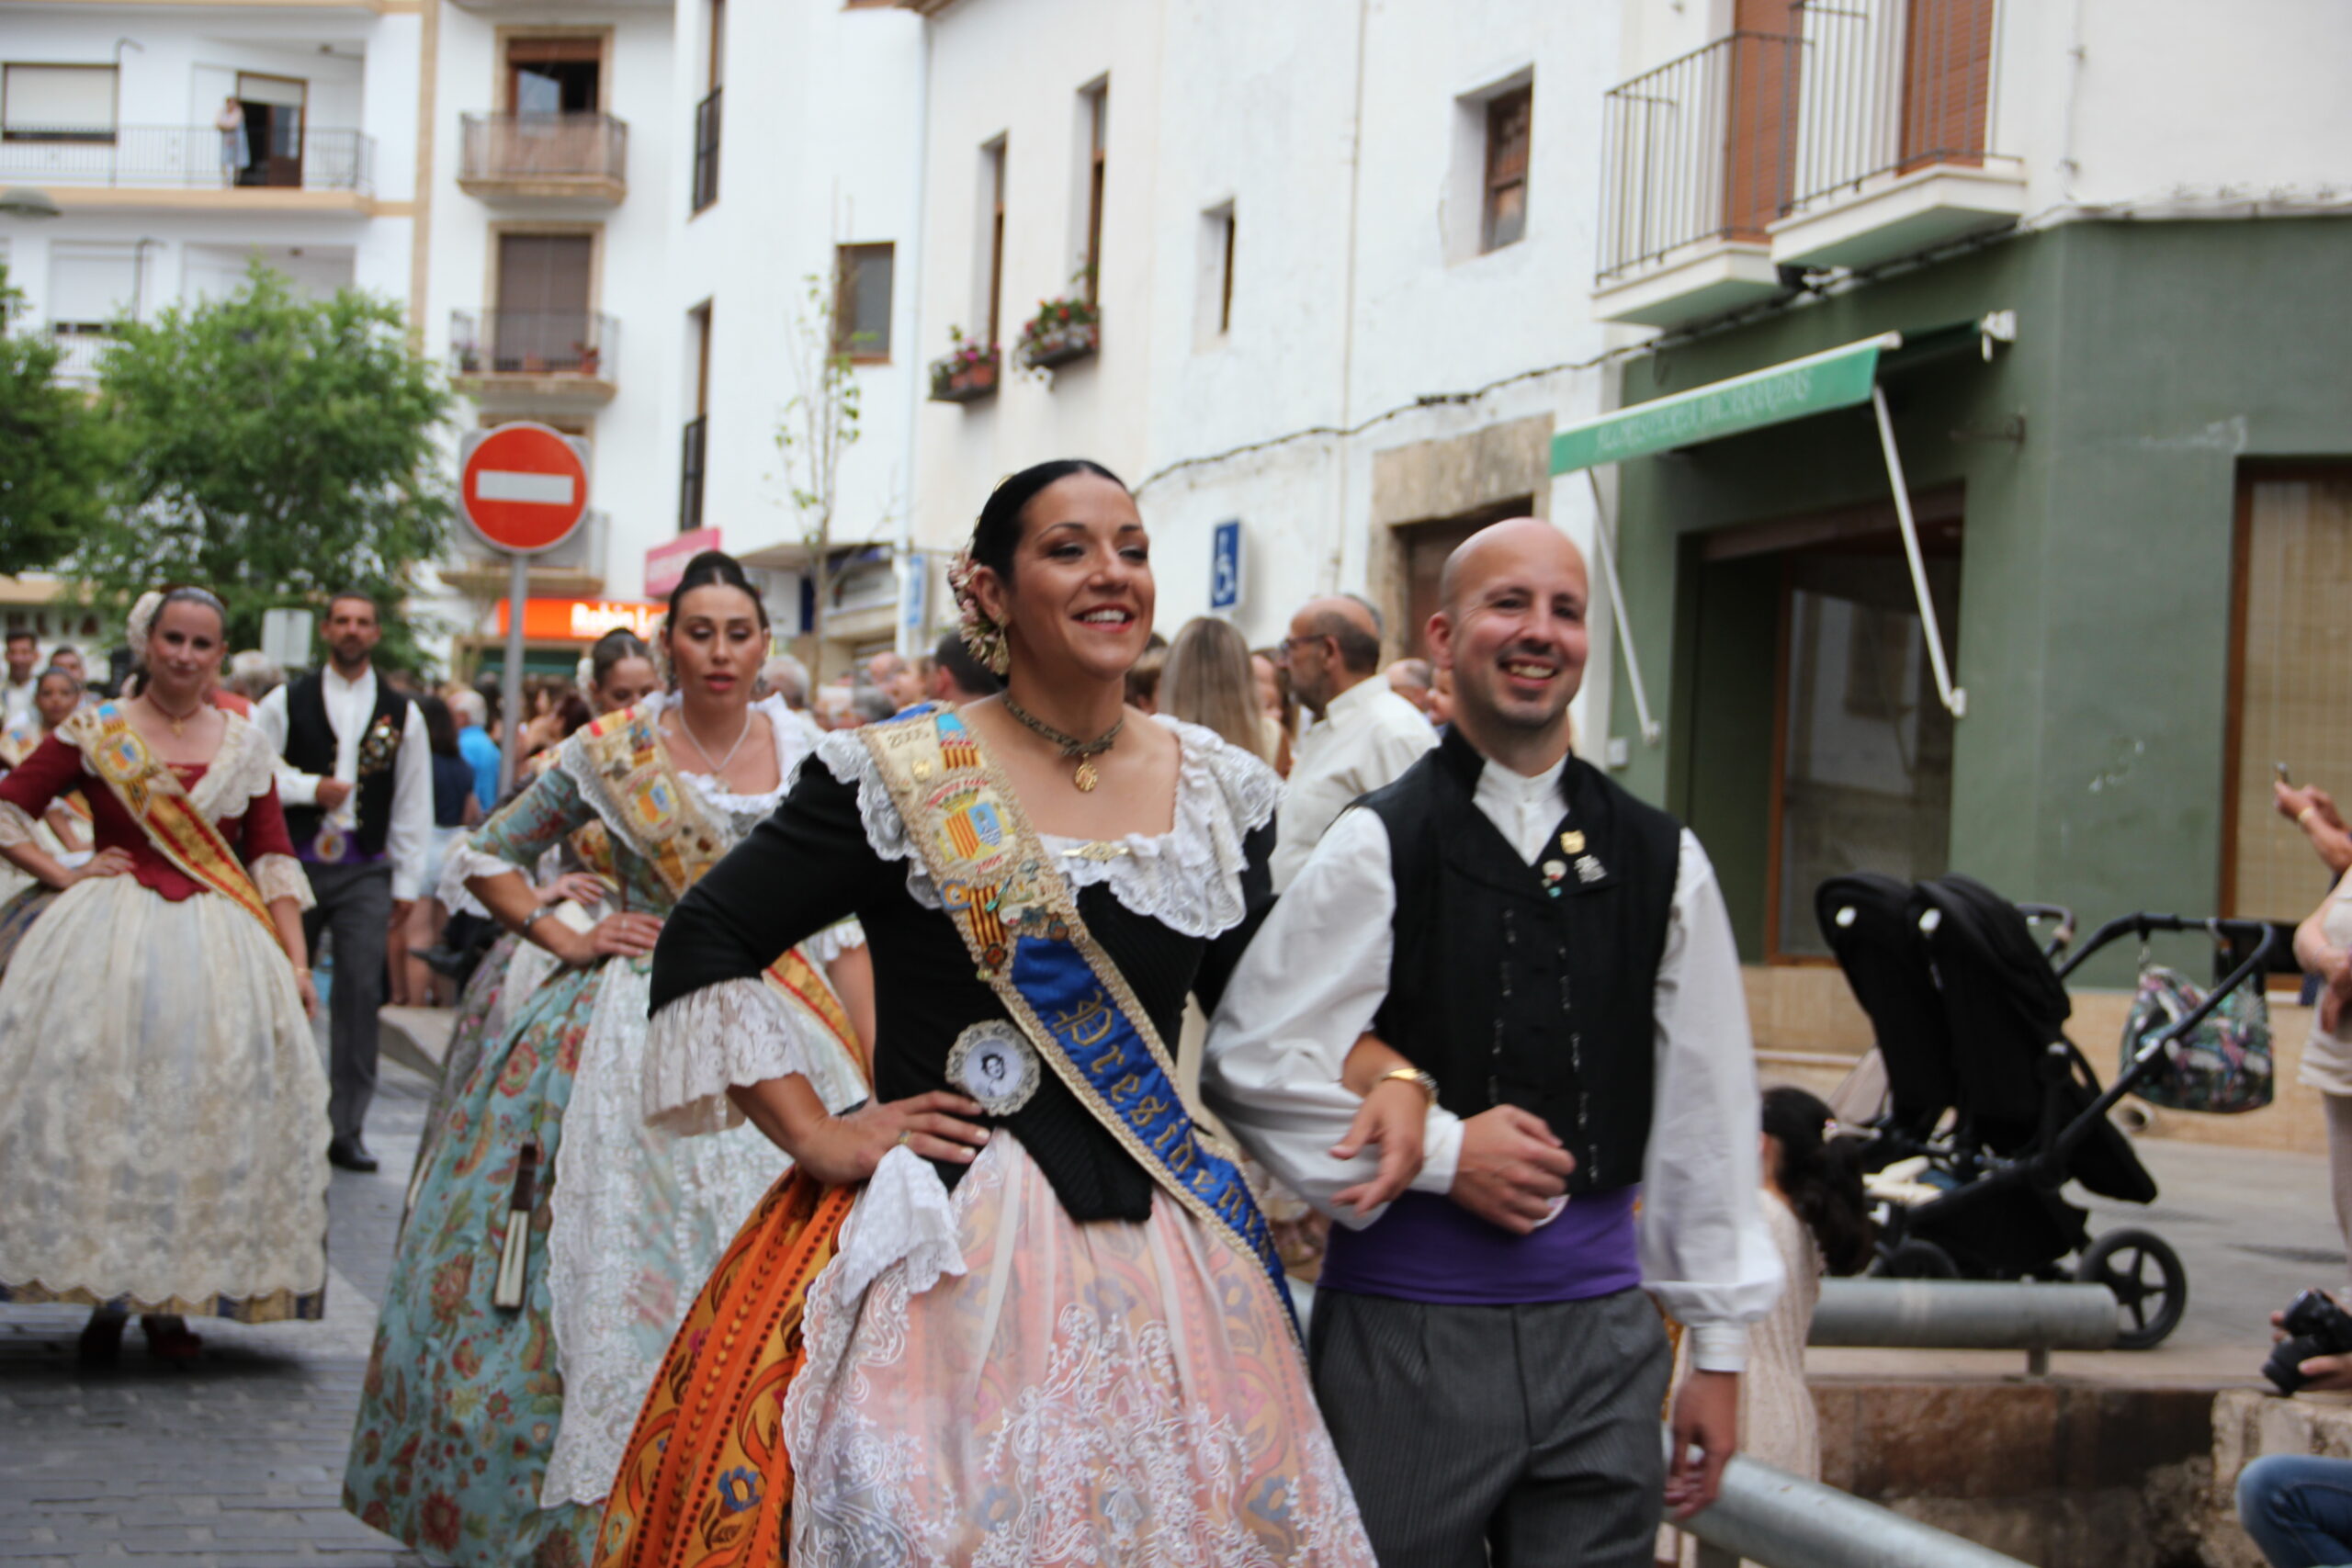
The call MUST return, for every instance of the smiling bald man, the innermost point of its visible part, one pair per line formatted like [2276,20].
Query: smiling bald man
[1555,957]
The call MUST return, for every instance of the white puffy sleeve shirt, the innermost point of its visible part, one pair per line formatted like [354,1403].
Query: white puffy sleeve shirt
[1317,971]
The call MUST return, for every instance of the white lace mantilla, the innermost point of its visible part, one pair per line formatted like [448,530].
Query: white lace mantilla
[738,1032]
[1188,878]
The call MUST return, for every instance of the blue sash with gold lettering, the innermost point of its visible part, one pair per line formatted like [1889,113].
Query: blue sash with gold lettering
[1020,921]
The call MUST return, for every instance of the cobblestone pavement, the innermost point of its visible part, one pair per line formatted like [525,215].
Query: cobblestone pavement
[235,1462]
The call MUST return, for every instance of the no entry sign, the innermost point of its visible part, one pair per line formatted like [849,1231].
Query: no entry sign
[524,488]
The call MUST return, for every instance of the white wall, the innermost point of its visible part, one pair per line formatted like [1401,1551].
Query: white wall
[1353,297]
[175,66]
[819,147]
[633,472]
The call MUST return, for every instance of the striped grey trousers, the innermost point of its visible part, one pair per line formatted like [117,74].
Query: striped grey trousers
[1524,1436]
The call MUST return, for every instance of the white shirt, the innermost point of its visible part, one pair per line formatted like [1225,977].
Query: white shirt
[1367,737]
[350,705]
[16,703]
[1317,970]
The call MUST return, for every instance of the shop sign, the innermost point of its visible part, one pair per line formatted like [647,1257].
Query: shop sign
[666,562]
[584,620]
[1834,379]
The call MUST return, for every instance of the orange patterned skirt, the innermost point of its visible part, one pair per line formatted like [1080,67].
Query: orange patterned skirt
[705,1482]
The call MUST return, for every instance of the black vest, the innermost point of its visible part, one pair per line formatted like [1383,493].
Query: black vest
[1512,987]
[310,748]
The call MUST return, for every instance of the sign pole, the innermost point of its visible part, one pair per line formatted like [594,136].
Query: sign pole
[518,588]
[524,489]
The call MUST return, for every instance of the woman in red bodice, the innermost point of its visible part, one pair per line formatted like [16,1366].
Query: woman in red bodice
[165,1151]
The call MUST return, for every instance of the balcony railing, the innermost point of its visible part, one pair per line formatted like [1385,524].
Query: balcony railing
[1890,85]
[583,149]
[1726,141]
[690,472]
[1694,151]
[706,150]
[77,366]
[532,343]
[188,157]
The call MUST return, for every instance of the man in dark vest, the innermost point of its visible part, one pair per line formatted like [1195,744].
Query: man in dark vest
[356,781]
[1553,959]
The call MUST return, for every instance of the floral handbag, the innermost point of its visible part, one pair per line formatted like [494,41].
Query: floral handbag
[2221,1065]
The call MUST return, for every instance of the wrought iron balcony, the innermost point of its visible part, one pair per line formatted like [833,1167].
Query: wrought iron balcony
[1761,150]
[188,157]
[533,156]
[520,359]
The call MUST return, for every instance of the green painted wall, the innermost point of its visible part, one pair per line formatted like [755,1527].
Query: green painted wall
[2094,629]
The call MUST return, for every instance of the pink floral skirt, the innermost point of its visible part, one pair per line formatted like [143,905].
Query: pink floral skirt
[1103,1393]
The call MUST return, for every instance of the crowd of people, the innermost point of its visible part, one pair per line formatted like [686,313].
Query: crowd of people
[884,1117]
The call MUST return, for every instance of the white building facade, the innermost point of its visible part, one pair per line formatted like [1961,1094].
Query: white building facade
[1339,252]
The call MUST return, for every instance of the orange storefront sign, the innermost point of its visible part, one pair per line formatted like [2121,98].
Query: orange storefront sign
[583,620]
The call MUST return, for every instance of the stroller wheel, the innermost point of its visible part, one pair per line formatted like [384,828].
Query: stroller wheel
[2150,1285]
[1916,1260]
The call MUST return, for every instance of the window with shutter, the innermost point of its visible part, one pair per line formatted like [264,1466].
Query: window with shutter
[57,103]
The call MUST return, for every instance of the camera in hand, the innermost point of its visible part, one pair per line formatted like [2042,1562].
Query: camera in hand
[2315,1326]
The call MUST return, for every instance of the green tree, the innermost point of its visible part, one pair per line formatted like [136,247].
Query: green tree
[276,448]
[56,457]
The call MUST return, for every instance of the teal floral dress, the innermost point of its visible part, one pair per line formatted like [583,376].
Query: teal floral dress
[491,1436]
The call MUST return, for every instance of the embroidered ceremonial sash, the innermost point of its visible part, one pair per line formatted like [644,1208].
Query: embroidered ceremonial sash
[157,801]
[637,775]
[1020,921]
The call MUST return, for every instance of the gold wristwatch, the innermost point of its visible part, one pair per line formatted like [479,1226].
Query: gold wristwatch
[1417,1077]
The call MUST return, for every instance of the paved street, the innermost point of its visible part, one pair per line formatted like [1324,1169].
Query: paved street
[238,1461]
[234,1463]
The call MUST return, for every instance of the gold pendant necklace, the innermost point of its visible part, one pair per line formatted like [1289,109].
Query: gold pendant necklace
[178,721]
[1085,776]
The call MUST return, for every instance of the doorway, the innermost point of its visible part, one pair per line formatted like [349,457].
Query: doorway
[545,283]
[274,109]
[550,76]
[1425,546]
[1816,744]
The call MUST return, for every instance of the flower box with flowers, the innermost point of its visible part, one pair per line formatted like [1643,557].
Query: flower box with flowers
[1062,331]
[966,373]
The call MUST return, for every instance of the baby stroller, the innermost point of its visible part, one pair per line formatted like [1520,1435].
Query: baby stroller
[1989,1109]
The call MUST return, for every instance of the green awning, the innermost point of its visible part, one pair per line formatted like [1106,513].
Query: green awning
[1834,379]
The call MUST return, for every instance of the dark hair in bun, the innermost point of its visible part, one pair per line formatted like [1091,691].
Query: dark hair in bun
[1822,1176]
[712,568]
[614,647]
[998,533]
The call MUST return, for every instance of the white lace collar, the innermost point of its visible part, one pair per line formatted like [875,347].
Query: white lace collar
[1188,878]
[791,746]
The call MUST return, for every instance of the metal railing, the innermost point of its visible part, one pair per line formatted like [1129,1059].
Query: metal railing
[1723,142]
[1890,85]
[1695,151]
[1967,1314]
[1778,1520]
[706,189]
[532,343]
[77,364]
[690,472]
[188,157]
[542,147]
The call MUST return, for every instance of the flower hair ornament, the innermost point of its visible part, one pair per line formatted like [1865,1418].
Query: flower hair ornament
[141,624]
[983,635]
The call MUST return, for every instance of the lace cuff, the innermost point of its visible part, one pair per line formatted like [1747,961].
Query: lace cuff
[738,1032]
[466,861]
[281,876]
[904,1214]
[833,942]
[16,827]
